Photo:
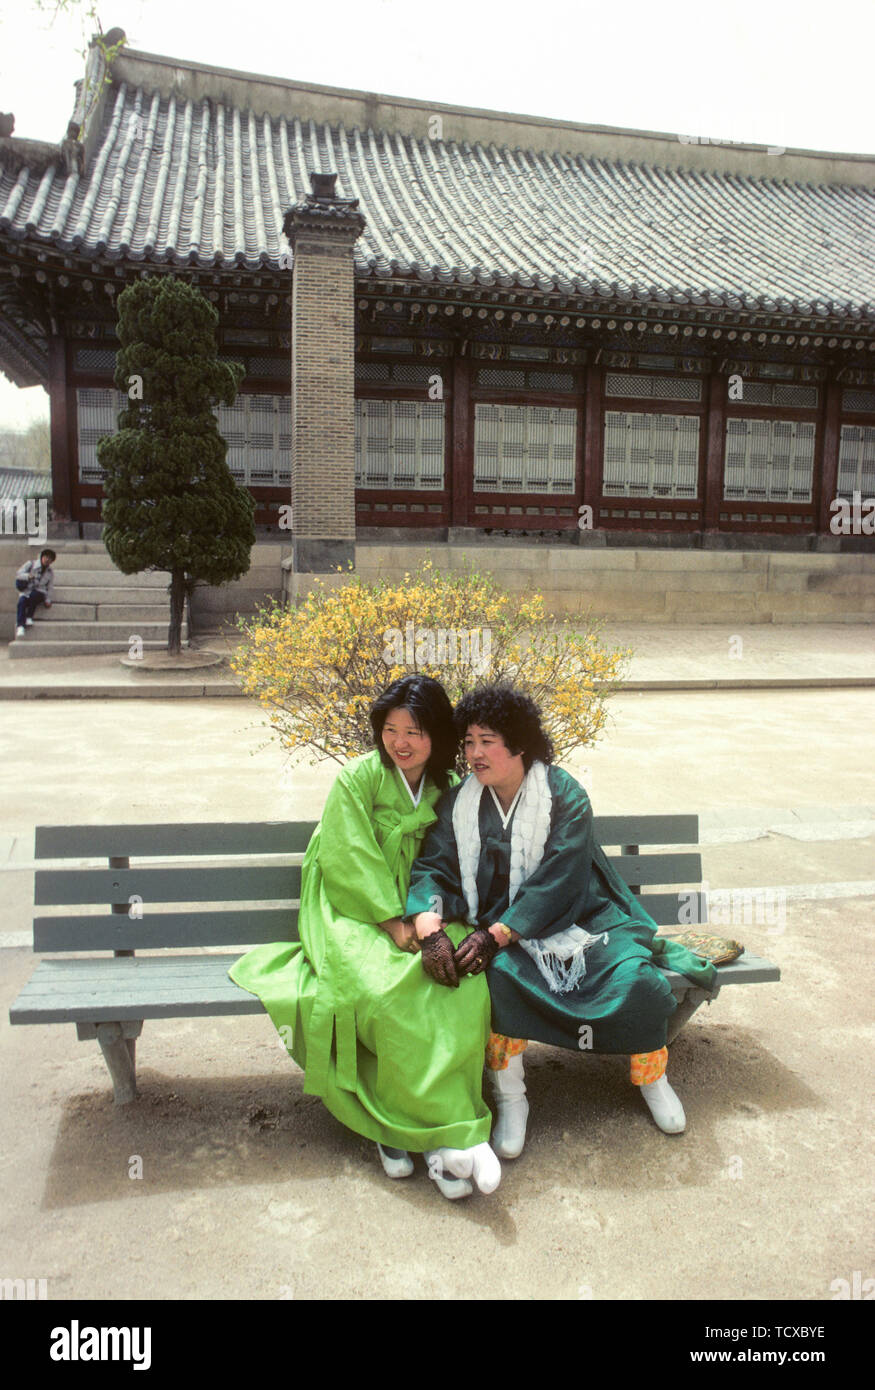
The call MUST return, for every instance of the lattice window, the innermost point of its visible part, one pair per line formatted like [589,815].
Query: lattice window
[97,414]
[756,393]
[650,455]
[524,448]
[769,460]
[767,393]
[94,360]
[399,444]
[550,381]
[270,367]
[664,388]
[803,396]
[858,400]
[508,380]
[257,429]
[373,371]
[856,461]
[258,432]
[413,374]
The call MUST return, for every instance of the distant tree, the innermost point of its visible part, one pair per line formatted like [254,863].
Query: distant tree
[171,502]
[30,448]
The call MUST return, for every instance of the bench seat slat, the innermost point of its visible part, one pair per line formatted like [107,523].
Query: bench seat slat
[186,986]
[131,987]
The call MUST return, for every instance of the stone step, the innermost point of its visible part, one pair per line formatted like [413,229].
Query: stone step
[109,579]
[100,612]
[19,649]
[125,595]
[116,633]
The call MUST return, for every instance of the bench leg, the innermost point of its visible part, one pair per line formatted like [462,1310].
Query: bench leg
[687,1006]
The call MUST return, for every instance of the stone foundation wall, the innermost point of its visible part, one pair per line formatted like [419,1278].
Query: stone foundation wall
[661,586]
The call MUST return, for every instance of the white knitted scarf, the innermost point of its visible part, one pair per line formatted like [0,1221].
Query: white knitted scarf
[561,957]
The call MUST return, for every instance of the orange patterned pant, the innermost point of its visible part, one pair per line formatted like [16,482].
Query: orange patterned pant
[644,1067]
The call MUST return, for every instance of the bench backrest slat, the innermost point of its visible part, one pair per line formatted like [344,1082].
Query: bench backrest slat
[261,883]
[258,884]
[290,837]
[157,930]
[141,841]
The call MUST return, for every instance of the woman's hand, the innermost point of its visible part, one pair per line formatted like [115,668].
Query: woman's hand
[403,933]
[437,959]
[426,923]
[475,952]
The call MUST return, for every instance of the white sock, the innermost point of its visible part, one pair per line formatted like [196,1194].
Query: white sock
[664,1106]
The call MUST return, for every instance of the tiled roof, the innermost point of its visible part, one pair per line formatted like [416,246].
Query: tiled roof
[198,183]
[22,482]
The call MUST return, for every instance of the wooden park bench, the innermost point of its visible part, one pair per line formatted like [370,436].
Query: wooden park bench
[108,991]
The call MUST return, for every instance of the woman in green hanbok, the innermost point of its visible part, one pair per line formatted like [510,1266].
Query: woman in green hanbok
[359,1002]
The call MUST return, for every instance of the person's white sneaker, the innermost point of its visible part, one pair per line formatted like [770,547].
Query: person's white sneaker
[509,1092]
[397,1163]
[451,1187]
[19,632]
[28,622]
[664,1106]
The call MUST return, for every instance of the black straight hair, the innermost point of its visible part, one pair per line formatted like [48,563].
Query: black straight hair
[429,704]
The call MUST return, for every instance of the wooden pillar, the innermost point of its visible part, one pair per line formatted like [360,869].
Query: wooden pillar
[826,478]
[462,479]
[322,231]
[592,441]
[715,445]
[62,455]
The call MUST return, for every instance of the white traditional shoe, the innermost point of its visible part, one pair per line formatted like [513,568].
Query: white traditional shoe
[28,622]
[509,1092]
[664,1106]
[19,632]
[479,1163]
[451,1187]
[397,1163]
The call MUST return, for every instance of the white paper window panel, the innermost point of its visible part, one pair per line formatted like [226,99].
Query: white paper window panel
[524,448]
[399,444]
[768,460]
[257,430]
[650,455]
[856,460]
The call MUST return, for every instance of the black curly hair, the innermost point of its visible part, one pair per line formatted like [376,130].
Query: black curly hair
[429,704]
[511,714]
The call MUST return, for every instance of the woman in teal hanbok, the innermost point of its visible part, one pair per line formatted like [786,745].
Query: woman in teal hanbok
[571,954]
[359,1003]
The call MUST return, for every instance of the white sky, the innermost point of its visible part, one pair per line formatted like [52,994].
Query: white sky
[793,73]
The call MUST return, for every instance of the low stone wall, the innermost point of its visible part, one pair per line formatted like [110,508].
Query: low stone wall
[660,586]
[213,607]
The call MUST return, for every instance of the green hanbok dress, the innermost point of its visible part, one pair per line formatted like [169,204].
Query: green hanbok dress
[393,1055]
[623,998]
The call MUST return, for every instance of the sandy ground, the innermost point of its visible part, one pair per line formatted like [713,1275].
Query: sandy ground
[251,1190]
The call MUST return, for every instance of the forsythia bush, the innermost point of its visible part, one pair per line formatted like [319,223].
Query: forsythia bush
[318,666]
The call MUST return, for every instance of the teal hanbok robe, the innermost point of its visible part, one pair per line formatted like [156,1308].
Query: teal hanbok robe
[393,1055]
[624,999]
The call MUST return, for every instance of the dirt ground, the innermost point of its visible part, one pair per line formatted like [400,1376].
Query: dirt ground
[251,1190]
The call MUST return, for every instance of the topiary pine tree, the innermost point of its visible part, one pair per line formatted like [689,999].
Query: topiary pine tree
[171,502]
